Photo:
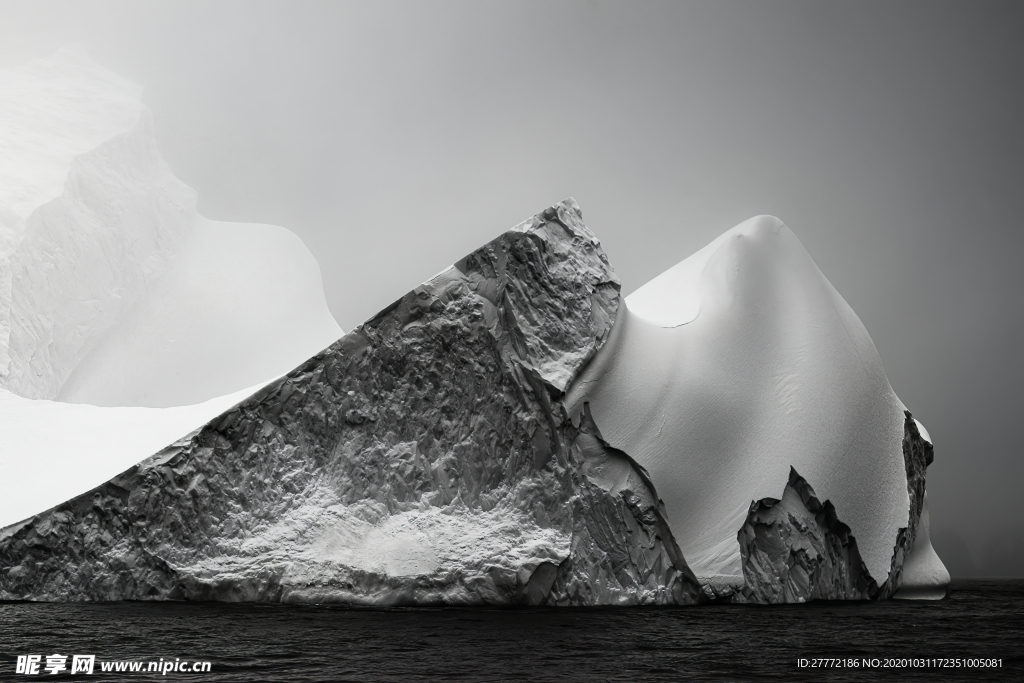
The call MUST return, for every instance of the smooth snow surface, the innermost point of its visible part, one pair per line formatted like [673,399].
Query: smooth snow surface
[771,370]
[924,575]
[113,290]
[673,298]
[51,451]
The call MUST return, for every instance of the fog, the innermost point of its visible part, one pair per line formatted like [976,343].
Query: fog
[395,137]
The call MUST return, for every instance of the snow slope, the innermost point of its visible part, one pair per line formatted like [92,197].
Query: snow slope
[731,368]
[113,290]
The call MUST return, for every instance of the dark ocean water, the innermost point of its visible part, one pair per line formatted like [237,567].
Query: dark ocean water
[250,642]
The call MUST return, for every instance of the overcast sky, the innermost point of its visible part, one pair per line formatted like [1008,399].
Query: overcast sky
[396,137]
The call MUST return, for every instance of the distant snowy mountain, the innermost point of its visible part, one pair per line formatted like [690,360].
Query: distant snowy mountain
[113,290]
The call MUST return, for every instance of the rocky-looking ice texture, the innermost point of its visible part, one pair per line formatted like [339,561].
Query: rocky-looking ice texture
[52,451]
[796,548]
[424,458]
[113,290]
[733,369]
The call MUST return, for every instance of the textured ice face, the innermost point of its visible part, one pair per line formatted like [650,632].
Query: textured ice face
[774,371]
[52,451]
[424,458]
[84,219]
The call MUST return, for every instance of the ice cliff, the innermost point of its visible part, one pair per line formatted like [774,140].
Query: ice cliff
[424,458]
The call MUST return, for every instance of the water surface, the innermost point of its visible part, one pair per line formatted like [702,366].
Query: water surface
[255,642]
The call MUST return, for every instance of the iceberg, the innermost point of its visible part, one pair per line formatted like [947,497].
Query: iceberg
[511,432]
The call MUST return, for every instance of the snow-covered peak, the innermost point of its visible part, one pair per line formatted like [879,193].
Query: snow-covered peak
[772,370]
[673,298]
